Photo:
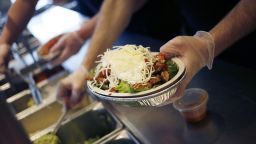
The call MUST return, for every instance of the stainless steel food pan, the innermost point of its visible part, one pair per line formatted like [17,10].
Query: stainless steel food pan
[122,137]
[24,100]
[46,115]
[91,125]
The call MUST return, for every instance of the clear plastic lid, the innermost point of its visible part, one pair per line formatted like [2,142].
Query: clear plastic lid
[193,99]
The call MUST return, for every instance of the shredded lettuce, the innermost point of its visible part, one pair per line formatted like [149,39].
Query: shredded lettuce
[172,68]
[124,87]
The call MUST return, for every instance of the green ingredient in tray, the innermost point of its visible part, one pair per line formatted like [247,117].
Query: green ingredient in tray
[91,140]
[30,102]
[121,141]
[47,139]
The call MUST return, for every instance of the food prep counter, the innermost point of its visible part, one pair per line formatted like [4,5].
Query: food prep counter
[89,122]
[231,115]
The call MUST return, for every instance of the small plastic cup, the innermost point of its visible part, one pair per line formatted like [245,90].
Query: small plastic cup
[193,104]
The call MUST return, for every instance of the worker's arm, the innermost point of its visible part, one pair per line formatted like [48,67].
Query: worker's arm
[18,16]
[199,50]
[112,19]
[238,23]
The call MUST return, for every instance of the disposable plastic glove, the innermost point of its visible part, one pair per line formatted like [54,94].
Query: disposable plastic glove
[195,51]
[4,53]
[70,89]
[68,45]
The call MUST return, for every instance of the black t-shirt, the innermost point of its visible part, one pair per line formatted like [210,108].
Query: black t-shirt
[160,19]
[203,14]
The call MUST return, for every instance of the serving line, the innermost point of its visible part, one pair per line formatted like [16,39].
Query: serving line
[231,115]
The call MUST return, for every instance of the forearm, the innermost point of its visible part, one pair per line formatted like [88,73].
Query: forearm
[113,18]
[87,28]
[238,23]
[18,16]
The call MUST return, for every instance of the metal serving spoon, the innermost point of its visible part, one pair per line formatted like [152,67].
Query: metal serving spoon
[61,118]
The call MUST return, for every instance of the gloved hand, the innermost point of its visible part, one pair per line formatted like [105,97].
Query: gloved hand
[4,53]
[68,45]
[195,51]
[70,89]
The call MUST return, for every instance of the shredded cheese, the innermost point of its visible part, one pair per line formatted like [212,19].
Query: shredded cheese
[130,63]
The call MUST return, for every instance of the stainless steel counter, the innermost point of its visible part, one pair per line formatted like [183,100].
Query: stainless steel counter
[231,117]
